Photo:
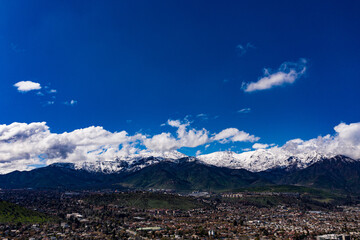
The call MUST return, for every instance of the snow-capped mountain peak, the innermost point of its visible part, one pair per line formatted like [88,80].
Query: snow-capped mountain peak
[129,162]
[261,159]
[254,161]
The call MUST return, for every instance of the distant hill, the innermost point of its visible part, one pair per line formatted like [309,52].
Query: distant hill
[338,173]
[190,175]
[57,176]
[183,175]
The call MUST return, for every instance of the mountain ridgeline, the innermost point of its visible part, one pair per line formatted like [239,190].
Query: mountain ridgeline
[338,173]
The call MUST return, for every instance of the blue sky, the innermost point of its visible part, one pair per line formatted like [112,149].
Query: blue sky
[132,65]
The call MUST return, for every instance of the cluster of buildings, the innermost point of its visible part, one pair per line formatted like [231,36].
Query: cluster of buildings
[77,218]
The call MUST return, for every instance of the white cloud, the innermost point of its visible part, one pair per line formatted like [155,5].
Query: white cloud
[193,138]
[244,110]
[162,142]
[346,141]
[22,144]
[260,146]
[349,133]
[25,86]
[234,135]
[184,138]
[286,74]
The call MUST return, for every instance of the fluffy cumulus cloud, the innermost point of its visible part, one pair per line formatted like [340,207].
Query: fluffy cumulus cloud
[287,73]
[260,146]
[345,141]
[190,137]
[234,135]
[184,138]
[193,138]
[349,133]
[24,146]
[26,86]
[162,142]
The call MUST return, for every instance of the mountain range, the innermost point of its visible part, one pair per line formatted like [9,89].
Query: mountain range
[253,161]
[220,171]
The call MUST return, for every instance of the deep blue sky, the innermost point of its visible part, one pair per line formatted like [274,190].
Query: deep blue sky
[131,65]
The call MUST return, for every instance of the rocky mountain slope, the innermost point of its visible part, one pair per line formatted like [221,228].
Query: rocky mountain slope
[221,171]
[253,161]
[261,160]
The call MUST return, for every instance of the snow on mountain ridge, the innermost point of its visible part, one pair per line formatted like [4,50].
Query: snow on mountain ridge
[131,162]
[254,161]
[262,159]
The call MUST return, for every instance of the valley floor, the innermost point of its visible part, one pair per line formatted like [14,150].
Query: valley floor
[144,215]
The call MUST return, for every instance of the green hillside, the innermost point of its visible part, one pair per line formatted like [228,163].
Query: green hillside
[188,176]
[335,174]
[12,213]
